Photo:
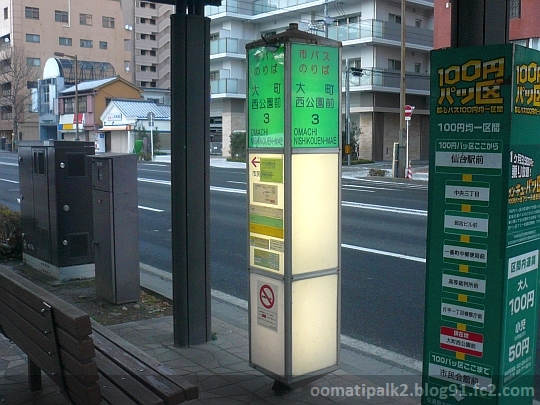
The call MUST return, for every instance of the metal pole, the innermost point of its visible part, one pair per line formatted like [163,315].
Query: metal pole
[407,145]
[401,164]
[347,109]
[76,100]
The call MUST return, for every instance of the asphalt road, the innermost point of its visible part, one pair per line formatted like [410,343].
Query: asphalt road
[383,246]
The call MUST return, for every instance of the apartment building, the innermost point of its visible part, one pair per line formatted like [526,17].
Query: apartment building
[152,55]
[94,31]
[370,31]
[523,18]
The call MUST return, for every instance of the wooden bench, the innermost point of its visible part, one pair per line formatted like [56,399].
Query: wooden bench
[89,363]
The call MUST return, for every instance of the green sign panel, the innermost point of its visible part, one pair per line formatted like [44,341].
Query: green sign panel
[483,227]
[265,97]
[315,96]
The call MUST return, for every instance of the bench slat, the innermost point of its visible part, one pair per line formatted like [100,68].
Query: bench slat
[88,395]
[82,349]
[21,308]
[125,382]
[69,317]
[170,392]
[85,372]
[39,356]
[111,394]
[191,391]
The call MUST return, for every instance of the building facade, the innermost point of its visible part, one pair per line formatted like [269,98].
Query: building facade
[523,23]
[96,30]
[370,31]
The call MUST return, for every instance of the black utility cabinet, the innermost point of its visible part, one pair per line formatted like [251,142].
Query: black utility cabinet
[56,207]
[116,226]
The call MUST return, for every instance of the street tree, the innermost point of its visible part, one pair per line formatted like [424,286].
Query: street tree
[18,75]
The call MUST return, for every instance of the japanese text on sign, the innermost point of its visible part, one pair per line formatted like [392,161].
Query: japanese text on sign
[473,87]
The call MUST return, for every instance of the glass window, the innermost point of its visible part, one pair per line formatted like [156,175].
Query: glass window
[515,9]
[85,19]
[394,18]
[417,68]
[82,104]
[61,16]
[394,64]
[102,45]
[33,62]
[31,13]
[87,43]
[6,14]
[69,105]
[33,38]
[65,41]
[108,22]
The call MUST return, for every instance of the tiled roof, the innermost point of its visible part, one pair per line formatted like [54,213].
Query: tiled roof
[89,85]
[141,108]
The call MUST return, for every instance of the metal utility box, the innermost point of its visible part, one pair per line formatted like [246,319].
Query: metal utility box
[56,211]
[116,232]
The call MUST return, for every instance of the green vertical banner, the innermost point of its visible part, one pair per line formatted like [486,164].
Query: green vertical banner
[266,97]
[483,227]
[315,96]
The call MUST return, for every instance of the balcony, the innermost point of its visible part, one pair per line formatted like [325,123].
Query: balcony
[376,78]
[258,6]
[228,86]
[228,45]
[385,30]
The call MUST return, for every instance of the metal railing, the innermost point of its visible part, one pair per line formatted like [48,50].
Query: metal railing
[231,86]
[228,45]
[382,30]
[389,79]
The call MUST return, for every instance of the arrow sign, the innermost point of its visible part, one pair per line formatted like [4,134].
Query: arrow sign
[255,162]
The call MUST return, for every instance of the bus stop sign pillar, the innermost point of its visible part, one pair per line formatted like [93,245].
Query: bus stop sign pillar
[294,183]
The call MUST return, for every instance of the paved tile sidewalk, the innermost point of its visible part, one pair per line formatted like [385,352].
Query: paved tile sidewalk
[220,369]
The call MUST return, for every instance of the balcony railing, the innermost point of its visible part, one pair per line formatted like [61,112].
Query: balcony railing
[389,79]
[257,6]
[228,45]
[382,30]
[231,86]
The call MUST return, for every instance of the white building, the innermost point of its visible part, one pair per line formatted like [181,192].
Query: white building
[125,120]
[370,31]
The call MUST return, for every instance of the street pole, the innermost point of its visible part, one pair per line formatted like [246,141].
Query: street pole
[76,99]
[76,120]
[402,167]
[347,110]
[151,117]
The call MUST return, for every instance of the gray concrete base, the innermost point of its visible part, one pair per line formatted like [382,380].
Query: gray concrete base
[77,272]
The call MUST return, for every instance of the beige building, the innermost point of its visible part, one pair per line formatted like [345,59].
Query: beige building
[96,30]
[152,45]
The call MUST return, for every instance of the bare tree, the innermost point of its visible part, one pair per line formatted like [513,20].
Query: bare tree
[17,72]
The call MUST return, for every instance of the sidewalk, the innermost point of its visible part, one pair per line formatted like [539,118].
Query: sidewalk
[220,368]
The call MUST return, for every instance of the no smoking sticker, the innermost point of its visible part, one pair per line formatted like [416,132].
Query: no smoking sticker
[267,305]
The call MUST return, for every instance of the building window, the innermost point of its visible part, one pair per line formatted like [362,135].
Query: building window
[82,104]
[33,38]
[515,9]
[87,43]
[108,22]
[394,64]
[61,16]
[418,23]
[5,89]
[6,112]
[214,75]
[417,68]
[69,105]
[65,41]
[5,65]
[102,45]
[31,13]
[348,20]
[394,18]
[127,44]
[6,14]
[33,62]
[85,19]
[32,84]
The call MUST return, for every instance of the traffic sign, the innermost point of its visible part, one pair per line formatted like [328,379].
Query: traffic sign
[408,112]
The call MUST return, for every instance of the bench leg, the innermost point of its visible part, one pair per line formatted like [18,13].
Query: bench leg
[34,376]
